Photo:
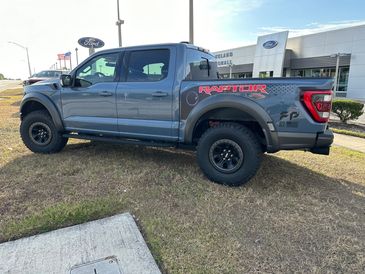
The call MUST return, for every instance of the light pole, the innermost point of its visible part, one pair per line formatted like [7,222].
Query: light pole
[191,21]
[26,49]
[230,70]
[77,56]
[337,56]
[119,23]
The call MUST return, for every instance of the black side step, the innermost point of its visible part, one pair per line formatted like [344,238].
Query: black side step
[120,140]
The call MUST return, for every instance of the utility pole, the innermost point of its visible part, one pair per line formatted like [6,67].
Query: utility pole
[119,23]
[26,49]
[191,21]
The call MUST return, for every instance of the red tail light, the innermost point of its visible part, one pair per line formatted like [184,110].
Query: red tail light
[318,104]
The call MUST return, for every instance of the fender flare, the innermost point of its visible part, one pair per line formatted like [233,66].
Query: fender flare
[47,103]
[236,102]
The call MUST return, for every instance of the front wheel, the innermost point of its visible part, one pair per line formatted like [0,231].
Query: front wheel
[39,133]
[229,154]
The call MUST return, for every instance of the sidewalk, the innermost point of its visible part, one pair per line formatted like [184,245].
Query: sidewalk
[350,142]
[109,245]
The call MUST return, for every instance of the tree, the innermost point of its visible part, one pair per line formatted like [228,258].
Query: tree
[2,76]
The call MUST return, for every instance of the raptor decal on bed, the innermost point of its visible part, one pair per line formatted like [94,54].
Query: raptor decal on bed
[256,88]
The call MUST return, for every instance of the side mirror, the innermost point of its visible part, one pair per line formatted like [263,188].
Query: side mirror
[66,80]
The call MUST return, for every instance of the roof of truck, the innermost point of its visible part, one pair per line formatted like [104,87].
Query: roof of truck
[186,44]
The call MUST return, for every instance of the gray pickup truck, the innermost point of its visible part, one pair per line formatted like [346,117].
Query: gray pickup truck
[171,95]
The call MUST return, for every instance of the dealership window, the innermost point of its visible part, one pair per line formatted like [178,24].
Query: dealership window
[266,74]
[236,75]
[342,79]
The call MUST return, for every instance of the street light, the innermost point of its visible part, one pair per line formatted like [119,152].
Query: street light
[77,56]
[230,70]
[119,23]
[26,49]
[337,56]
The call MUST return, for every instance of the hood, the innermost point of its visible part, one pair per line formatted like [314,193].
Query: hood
[50,85]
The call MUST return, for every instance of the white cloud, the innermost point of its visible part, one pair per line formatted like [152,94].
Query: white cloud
[312,28]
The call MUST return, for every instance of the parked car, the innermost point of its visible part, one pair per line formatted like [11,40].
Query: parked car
[170,95]
[44,75]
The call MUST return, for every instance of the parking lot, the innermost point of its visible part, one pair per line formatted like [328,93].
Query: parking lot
[302,212]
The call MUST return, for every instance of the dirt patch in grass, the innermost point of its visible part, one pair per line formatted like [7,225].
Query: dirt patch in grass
[301,213]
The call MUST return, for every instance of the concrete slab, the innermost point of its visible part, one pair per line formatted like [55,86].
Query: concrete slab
[104,246]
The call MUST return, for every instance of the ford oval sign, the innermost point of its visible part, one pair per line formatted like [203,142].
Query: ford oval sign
[270,44]
[90,42]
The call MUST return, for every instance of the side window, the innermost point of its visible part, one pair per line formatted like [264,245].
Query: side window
[200,66]
[102,68]
[148,65]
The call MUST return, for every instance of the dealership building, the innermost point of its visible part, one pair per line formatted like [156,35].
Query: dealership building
[337,53]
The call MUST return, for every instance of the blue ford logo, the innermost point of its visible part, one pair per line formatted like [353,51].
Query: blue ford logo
[91,42]
[270,44]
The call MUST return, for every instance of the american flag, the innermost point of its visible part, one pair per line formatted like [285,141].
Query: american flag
[64,56]
[61,56]
[67,55]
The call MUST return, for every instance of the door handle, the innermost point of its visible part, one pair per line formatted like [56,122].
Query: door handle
[159,94]
[105,93]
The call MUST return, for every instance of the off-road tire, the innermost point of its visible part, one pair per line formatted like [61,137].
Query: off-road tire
[240,139]
[36,121]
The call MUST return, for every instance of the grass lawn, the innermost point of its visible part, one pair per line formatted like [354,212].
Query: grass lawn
[301,213]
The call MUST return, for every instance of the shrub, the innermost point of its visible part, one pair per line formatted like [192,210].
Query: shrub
[347,109]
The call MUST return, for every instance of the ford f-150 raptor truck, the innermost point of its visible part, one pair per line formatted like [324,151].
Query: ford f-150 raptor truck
[171,95]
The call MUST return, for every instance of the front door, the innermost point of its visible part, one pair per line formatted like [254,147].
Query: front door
[90,104]
[144,99]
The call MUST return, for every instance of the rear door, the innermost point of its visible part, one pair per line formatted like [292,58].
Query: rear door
[144,96]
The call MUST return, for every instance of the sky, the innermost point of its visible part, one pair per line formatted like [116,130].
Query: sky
[49,27]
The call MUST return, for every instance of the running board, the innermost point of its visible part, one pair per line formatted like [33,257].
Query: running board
[119,140]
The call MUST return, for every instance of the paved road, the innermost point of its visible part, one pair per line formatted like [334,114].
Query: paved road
[8,84]
[350,142]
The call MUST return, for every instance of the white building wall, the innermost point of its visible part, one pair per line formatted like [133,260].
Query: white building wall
[348,40]
[242,55]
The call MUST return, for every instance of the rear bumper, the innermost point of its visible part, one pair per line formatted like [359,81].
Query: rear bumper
[318,143]
[323,143]
[324,139]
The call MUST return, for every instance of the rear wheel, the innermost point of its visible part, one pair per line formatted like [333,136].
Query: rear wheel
[39,133]
[229,154]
